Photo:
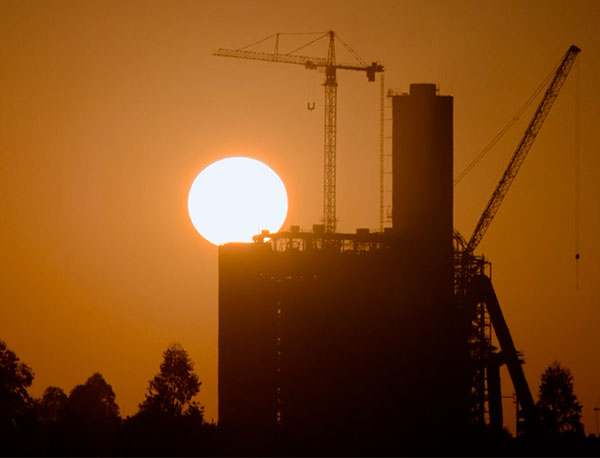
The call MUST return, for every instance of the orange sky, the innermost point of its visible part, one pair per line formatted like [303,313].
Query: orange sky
[109,109]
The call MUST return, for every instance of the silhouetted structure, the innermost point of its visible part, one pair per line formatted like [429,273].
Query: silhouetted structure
[368,332]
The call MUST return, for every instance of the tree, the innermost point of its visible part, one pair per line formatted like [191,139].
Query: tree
[92,418]
[170,422]
[15,403]
[15,378]
[171,391]
[94,400]
[52,405]
[558,408]
[51,413]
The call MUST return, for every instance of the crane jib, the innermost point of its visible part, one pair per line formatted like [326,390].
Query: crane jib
[524,146]
[330,134]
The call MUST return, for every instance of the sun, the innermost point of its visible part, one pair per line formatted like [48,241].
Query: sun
[235,198]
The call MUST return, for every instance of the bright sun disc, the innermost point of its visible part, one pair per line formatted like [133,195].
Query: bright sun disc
[235,198]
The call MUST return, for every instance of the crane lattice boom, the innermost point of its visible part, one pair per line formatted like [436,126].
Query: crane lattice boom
[308,62]
[524,146]
[330,84]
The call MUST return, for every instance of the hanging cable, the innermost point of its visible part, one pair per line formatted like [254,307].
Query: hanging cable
[310,93]
[577,170]
[381,151]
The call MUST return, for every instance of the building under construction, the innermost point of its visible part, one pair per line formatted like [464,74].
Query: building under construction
[327,330]
[384,333]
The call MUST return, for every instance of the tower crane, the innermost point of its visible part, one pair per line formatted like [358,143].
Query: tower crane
[330,66]
[524,146]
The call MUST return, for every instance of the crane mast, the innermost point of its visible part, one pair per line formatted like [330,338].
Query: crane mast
[330,66]
[329,191]
[524,146]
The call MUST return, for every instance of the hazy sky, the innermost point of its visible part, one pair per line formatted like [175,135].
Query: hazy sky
[109,109]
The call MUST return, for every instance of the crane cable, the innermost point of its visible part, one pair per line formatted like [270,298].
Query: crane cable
[506,128]
[307,44]
[276,35]
[359,59]
[577,169]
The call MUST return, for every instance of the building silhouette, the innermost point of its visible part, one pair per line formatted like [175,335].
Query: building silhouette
[369,332]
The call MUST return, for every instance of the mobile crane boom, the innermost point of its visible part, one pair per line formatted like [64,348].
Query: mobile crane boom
[524,146]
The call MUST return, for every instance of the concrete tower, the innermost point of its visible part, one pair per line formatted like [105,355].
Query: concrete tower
[423,185]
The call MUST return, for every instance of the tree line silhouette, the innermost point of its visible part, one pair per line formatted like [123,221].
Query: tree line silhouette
[87,421]
[170,422]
